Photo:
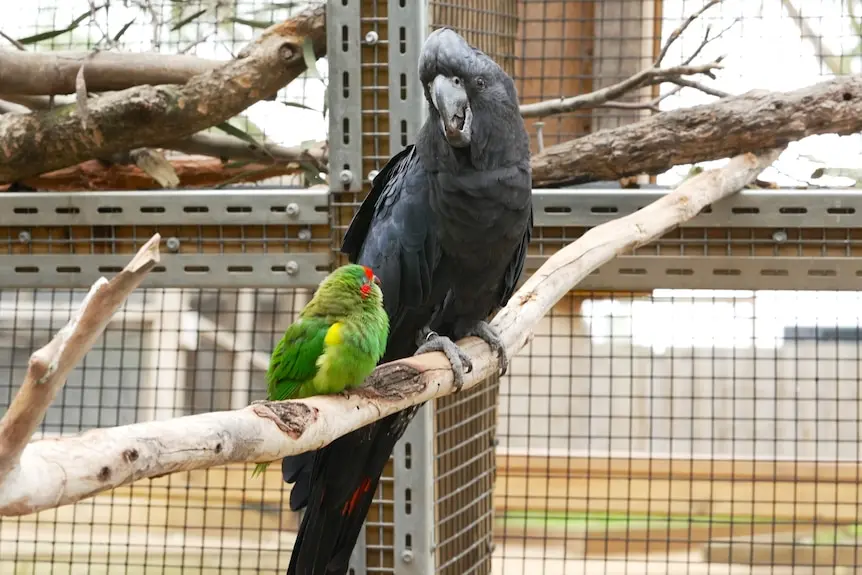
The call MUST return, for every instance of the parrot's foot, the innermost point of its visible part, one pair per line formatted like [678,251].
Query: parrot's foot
[459,360]
[489,335]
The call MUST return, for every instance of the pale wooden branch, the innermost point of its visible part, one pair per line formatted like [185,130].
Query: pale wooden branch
[50,365]
[651,76]
[64,470]
[47,73]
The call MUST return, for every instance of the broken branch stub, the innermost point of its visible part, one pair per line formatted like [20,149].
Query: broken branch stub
[50,366]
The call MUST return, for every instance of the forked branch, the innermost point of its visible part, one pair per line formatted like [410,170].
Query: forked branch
[651,76]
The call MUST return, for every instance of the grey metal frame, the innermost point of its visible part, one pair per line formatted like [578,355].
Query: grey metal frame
[224,207]
[169,208]
[343,40]
[413,503]
[174,270]
[594,205]
[777,210]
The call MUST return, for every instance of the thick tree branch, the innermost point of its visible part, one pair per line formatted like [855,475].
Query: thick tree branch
[61,471]
[47,73]
[50,365]
[750,122]
[192,172]
[651,76]
[148,116]
[202,143]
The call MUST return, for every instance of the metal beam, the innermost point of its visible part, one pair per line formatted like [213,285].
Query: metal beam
[593,205]
[268,206]
[582,206]
[174,270]
[645,273]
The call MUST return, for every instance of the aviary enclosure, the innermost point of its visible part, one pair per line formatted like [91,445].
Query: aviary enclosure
[689,404]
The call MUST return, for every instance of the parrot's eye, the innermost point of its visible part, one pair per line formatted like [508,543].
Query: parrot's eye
[365,289]
[480,82]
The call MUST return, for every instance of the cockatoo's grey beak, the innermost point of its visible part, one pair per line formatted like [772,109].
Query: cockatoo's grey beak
[450,99]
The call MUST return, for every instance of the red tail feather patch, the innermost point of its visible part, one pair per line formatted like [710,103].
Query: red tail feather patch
[354,499]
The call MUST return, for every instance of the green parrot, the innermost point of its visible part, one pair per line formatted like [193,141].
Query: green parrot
[335,344]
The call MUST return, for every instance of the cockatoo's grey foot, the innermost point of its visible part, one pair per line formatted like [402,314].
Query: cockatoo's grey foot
[459,360]
[489,335]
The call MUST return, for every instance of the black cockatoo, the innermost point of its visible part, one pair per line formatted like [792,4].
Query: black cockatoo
[445,228]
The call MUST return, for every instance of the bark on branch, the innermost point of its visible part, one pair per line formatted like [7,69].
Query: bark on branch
[148,116]
[49,73]
[64,470]
[193,172]
[756,120]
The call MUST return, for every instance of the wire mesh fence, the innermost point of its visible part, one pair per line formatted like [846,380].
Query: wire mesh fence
[662,431]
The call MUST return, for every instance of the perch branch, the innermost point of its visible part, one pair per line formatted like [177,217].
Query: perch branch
[192,173]
[60,471]
[149,116]
[756,120]
[651,76]
[47,73]
[50,365]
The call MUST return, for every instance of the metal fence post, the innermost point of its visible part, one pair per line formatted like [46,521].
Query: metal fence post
[414,455]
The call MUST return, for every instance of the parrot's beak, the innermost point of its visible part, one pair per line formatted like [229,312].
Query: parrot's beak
[450,99]
[376,280]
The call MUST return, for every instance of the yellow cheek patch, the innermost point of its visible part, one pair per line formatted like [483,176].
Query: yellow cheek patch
[333,334]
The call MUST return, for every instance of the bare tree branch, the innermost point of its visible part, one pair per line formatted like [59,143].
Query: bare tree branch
[750,122]
[652,105]
[220,146]
[193,172]
[13,41]
[150,116]
[674,36]
[202,143]
[685,83]
[651,76]
[50,365]
[60,471]
[46,73]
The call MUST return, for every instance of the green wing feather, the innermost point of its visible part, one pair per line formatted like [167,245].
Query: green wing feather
[293,363]
[294,360]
